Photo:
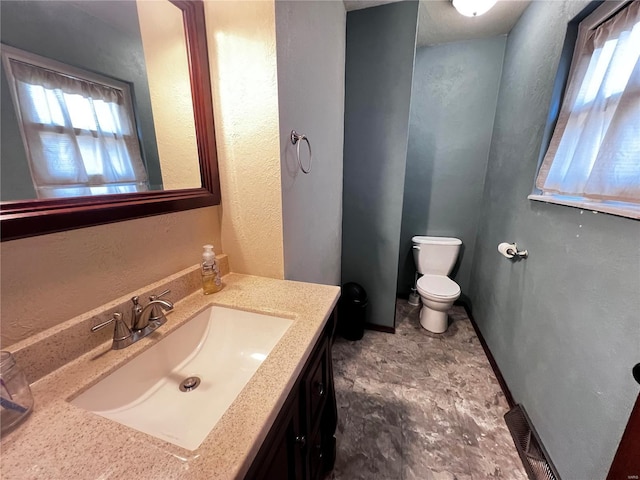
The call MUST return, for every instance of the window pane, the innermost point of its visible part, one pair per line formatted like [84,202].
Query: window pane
[119,157]
[595,74]
[44,105]
[622,63]
[80,112]
[91,154]
[104,112]
[55,109]
[59,153]
[37,95]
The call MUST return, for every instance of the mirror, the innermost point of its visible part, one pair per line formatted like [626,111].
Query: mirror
[166,169]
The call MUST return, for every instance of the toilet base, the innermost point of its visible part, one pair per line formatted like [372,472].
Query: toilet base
[433,320]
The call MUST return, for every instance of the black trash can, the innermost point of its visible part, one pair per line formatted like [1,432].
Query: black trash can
[352,310]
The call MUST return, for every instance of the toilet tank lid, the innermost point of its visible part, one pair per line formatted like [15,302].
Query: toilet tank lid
[437,240]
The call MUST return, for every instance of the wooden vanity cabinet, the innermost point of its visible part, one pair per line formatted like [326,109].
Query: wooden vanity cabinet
[301,443]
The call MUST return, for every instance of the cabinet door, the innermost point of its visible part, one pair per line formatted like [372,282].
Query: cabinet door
[316,387]
[282,460]
[316,456]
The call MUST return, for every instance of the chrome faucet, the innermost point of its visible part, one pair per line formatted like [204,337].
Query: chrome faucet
[144,320]
[140,316]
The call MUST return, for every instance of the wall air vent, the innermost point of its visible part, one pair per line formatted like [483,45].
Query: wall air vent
[532,453]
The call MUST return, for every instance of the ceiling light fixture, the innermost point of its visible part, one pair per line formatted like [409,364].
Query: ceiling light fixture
[473,8]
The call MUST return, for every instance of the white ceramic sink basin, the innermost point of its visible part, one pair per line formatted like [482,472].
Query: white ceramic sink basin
[222,347]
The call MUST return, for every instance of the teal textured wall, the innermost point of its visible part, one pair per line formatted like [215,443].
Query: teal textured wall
[311,36]
[564,324]
[453,103]
[379,67]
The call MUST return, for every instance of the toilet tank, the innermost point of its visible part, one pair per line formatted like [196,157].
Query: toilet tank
[435,255]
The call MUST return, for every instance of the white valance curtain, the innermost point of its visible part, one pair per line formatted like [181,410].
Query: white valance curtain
[595,149]
[80,135]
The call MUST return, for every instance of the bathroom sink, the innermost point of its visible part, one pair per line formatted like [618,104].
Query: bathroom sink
[178,389]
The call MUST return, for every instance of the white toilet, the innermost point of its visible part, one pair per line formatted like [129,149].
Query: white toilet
[435,258]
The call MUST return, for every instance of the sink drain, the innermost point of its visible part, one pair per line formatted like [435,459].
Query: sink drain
[189,383]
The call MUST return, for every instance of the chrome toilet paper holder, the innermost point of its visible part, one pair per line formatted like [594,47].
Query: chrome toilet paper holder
[510,250]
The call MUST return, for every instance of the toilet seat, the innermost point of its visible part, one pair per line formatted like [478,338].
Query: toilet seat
[438,288]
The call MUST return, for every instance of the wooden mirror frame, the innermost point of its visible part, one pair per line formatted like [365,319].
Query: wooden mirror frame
[28,218]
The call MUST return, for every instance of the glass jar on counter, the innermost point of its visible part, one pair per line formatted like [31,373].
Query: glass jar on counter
[16,400]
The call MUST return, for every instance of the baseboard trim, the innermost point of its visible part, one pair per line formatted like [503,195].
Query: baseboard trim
[492,361]
[379,328]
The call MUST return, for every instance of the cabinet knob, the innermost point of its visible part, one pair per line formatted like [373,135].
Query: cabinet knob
[301,440]
[321,390]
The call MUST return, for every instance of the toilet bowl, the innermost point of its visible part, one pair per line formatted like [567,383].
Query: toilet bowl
[437,292]
[435,258]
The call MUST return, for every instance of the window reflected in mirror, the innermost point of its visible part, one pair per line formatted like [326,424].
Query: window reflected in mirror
[96,99]
[78,128]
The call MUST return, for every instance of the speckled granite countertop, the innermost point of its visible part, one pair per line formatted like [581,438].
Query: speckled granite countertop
[61,441]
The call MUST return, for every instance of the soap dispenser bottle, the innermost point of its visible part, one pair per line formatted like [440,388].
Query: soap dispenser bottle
[211,282]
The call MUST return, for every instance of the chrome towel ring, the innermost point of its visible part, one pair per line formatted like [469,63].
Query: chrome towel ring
[296,139]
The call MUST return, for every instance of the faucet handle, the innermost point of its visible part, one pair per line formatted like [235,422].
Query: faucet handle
[155,297]
[116,316]
[121,332]
[157,314]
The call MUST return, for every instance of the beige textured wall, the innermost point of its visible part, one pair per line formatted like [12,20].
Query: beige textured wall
[165,52]
[242,54]
[49,279]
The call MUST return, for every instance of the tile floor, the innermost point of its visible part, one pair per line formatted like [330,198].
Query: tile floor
[416,405]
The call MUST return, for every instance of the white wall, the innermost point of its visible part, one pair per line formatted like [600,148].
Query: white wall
[311,58]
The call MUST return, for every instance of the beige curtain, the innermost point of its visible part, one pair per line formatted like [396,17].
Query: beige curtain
[595,149]
[80,135]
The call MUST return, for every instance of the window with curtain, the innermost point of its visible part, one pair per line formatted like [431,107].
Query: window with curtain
[79,132]
[593,160]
